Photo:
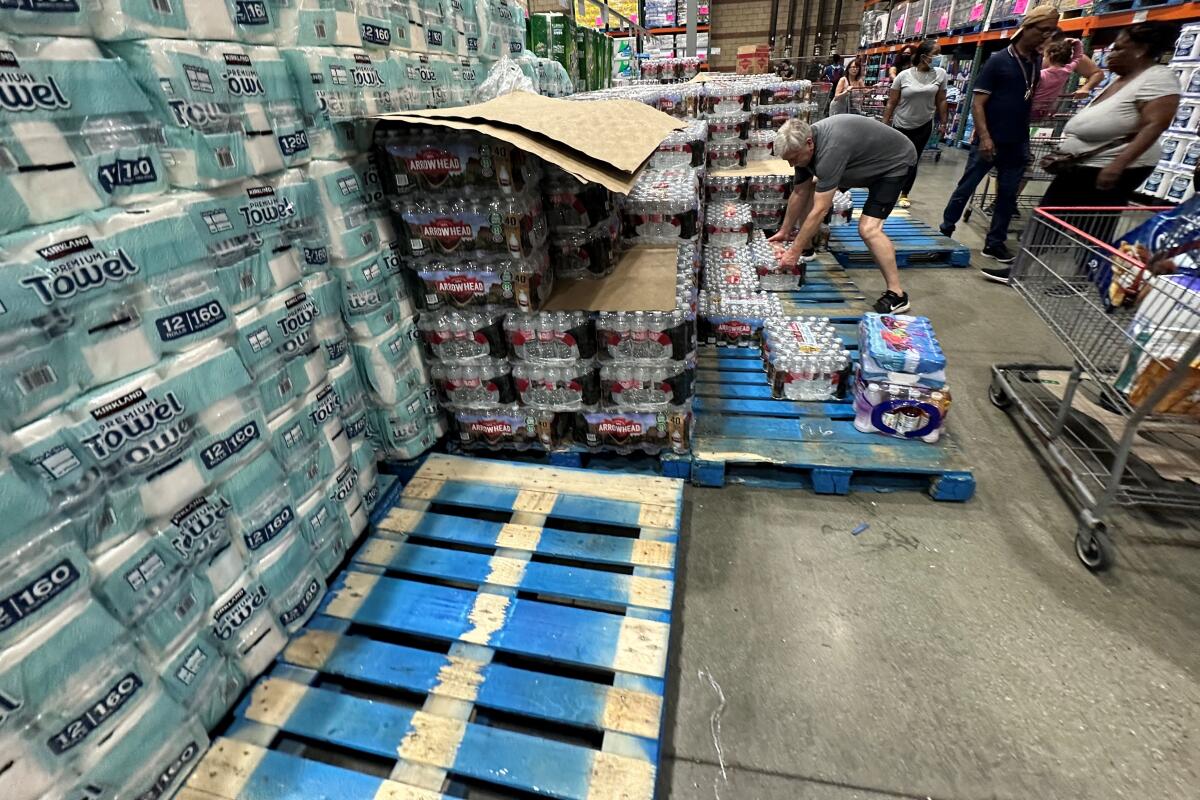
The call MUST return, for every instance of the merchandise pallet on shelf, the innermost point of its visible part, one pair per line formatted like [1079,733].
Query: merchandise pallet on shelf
[744,436]
[505,626]
[1112,6]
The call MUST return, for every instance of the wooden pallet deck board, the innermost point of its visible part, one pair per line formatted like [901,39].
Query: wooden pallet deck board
[744,435]
[504,626]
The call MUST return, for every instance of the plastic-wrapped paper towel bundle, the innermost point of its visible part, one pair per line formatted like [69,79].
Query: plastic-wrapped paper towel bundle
[76,134]
[228,110]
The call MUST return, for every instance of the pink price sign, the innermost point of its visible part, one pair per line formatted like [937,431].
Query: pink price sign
[977,12]
[1020,6]
[944,21]
[920,24]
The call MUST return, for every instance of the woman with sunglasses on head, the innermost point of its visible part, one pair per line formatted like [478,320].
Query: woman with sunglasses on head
[918,95]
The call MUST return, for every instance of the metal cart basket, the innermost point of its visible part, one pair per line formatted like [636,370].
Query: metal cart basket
[1121,425]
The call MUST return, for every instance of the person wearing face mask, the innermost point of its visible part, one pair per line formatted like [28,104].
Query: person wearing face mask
[1003,95]
[916,96]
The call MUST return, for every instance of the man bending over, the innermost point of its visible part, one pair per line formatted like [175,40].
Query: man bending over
[843,152]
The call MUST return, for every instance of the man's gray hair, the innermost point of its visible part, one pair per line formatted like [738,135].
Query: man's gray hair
[792,136]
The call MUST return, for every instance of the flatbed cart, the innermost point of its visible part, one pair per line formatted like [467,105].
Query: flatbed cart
[1121,425]
[1045,138]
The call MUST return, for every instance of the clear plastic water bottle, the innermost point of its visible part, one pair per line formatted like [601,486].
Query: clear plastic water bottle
[568,386]
[551,337]
[458,336]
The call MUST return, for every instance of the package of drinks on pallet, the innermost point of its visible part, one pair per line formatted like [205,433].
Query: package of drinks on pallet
[760,145]
[900,387]
[584,223]
[682,148]
[663,207]
[773,276]
[734,316]
[728,223]
[805,359]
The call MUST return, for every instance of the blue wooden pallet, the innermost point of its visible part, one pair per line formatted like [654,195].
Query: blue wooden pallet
[827,292]
[666,464]
[403,470]
[917,245]
[742,435]
[504,630]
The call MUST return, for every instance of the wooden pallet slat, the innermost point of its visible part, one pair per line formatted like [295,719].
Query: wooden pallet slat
[503,625]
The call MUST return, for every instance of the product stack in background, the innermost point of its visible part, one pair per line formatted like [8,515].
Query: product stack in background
[584,53]
[900,388]
[208,344]
[1171,179]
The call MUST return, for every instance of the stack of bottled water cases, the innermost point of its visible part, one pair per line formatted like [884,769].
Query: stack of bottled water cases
[547,380]
[663,207]
[647,371]
[767,99]
[900,388]
[585,226]
[804,358]
[470,216]
[686,147]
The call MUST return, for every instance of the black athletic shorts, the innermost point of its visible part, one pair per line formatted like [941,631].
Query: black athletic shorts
[882,196]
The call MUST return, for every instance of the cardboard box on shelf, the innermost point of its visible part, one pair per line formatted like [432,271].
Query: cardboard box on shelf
[753,59]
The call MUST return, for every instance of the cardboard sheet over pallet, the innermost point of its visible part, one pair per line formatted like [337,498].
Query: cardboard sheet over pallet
[601,141]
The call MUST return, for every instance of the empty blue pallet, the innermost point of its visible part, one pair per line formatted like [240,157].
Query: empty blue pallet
[504,628]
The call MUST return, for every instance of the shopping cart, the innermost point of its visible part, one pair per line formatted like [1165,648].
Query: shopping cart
[1121,425]
[822,93]
[1044,138]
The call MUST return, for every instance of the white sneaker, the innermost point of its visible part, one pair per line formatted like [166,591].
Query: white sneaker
[904,201]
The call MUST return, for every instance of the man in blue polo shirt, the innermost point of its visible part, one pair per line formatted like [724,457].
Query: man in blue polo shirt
[1002,98]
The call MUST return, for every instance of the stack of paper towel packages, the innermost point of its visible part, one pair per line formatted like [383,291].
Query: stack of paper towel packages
[207,342]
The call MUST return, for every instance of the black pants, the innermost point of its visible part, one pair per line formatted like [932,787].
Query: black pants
[919,136]
[1076,188]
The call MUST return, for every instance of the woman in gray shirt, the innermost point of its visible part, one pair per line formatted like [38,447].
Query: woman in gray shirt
[917,94]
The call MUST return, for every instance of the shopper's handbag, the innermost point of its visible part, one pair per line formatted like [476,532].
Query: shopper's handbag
[1057,163]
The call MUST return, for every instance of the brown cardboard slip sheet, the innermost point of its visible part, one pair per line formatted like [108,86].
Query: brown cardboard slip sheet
[644,280]
[769,166]
[602,138]
[1171,463]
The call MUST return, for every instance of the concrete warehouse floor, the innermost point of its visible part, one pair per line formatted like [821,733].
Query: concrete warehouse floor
[950,650]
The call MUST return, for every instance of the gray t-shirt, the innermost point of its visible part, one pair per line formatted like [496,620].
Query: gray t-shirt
[1118,116]
[853,152]
[918,96]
